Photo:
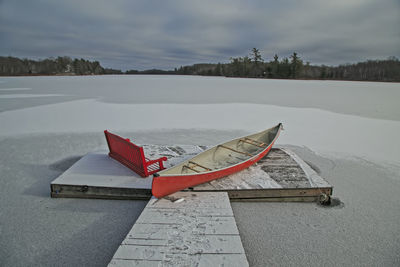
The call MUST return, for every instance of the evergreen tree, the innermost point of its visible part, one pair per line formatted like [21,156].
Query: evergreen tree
[275,67]
[256,56]
[296,65]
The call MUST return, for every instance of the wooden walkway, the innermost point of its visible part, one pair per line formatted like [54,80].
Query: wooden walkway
[184,229]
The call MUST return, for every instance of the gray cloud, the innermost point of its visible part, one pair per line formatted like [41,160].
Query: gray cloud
[166,34]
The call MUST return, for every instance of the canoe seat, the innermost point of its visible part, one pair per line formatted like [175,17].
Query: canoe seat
[198,165]
[132,156]
[194,164]
[253,142]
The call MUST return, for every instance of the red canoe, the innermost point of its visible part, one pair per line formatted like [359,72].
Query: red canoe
[216,162]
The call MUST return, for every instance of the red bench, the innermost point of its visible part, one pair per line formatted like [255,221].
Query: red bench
[132,156]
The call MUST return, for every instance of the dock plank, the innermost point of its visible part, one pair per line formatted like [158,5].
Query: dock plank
[197,230]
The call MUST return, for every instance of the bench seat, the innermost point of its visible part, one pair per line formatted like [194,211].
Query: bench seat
[132,156]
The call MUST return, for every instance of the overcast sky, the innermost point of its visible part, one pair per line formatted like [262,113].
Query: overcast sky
[129,34]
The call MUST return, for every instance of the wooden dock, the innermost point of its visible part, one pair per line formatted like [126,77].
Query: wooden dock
[184,229]
[280,176]
[194,227]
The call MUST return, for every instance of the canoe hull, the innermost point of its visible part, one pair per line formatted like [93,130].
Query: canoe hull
[165,185]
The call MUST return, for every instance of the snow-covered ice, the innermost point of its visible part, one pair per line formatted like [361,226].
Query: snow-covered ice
[14,89]
[322,131]
[27,95]
[353,127]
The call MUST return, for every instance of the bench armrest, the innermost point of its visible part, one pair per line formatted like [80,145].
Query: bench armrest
[148,162]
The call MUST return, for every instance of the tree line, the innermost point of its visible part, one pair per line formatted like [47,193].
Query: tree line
[12,66]
[250,66]
[293,67]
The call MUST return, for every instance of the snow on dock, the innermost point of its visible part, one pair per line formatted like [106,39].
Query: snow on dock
[280,176]
[184,229]
[96,175]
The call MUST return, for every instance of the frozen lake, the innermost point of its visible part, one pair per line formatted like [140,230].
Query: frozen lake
[366,99]
[347,131]
[359,119]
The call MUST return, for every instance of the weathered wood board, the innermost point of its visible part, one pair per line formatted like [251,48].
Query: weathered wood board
[184,229]
[280,176]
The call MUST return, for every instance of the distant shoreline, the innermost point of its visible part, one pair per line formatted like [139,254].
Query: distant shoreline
[242,67]
[195,75]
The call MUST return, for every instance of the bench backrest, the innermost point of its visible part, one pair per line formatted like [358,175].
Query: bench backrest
[127,153]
